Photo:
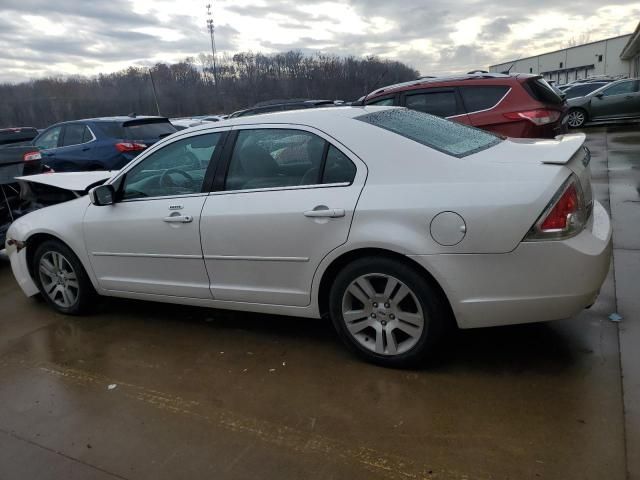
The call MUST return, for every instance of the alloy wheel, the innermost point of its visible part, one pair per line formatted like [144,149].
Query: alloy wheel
[576,118]
[58,278]
[382,314]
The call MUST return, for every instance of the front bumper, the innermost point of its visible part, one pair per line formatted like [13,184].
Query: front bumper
[18,259]
[538,281]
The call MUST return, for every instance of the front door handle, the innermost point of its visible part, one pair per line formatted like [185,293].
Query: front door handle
[325,212]
[179,219]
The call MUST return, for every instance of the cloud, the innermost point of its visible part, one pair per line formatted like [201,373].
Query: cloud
[40,38]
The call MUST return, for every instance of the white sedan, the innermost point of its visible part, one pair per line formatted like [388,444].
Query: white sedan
[392,222]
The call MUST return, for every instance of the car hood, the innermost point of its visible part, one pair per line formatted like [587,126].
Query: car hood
[74,181]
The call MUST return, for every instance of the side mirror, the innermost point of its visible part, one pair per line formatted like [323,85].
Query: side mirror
[102,195]
[599,95]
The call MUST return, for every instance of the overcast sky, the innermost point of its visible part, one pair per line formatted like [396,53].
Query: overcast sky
[61,37]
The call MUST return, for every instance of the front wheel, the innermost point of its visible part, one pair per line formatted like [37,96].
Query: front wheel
[576,117]
[61,278]
[387,312]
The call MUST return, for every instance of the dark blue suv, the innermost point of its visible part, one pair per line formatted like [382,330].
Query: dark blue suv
[106,143]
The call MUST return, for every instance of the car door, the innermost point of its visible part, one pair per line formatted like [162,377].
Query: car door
[75,149]
[148,242]
[48,142]
[286,201]
[620,99]
[442,102]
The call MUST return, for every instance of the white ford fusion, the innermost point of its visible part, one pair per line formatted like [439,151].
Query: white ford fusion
[390,221]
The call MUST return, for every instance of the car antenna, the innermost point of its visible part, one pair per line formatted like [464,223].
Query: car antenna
[380,77]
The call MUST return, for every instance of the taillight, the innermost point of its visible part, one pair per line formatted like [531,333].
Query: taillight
[565,216]
[31,156]
[540,116]
[130,147]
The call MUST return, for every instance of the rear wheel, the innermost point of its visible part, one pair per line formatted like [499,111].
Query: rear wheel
[62,280]
[387,312]
[576,117]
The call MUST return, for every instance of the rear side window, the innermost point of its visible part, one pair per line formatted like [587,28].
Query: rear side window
[142,131]
[482,97]
[338,168]
[75,135]
[540,90]
[446,136]
[272,158]
[442,104]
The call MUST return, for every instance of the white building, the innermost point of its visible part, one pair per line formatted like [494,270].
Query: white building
[613,57]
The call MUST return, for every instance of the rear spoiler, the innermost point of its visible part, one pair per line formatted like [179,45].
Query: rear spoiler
[561,153]
[145,120]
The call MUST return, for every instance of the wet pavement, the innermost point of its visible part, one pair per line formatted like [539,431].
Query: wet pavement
[143,390]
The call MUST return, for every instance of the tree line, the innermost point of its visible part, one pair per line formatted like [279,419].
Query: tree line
[191,88]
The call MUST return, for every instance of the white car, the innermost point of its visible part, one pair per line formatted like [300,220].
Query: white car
[392,222]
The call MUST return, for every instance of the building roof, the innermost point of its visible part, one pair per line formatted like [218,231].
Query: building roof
[632,47]
[561,50]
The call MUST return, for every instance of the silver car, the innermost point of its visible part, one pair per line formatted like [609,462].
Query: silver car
[615,101]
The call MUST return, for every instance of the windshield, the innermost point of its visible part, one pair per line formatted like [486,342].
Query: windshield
[446,136]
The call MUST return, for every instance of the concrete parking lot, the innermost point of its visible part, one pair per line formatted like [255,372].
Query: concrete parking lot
[143,390]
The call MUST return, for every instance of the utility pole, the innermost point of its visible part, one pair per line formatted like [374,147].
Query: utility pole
[212,36]
[155,95]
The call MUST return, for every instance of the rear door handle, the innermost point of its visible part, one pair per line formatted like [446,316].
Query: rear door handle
[179,219]
[325,212]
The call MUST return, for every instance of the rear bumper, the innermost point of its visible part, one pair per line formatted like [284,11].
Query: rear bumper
[538,281]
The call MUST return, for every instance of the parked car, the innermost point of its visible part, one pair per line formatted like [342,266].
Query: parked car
[284,106]
[617,100]
[392,222]
[515,105]
[17,158]
[106,143]
[582,89]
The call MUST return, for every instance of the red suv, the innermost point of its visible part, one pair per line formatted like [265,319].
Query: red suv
[516,105]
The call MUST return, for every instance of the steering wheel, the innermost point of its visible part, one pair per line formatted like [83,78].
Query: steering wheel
[165,179]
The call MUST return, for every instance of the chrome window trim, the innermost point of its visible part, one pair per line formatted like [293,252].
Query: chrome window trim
[277,189]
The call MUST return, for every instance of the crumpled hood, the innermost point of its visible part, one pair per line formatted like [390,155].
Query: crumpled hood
[74,181]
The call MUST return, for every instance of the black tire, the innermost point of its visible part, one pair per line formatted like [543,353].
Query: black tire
[435,311]
[85,294]
[577,117]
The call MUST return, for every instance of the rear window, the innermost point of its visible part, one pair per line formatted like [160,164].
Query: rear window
[449,137]
[482,97]
[137,130]
[582,90]
[541,91]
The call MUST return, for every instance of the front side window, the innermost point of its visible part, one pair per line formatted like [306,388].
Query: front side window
[442,104]
[270,158]
[176,169]
[49,139]
[385,102]
[446,136]
[621,88]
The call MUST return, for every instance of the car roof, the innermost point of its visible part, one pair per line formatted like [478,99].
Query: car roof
[307,116]
[450,78]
